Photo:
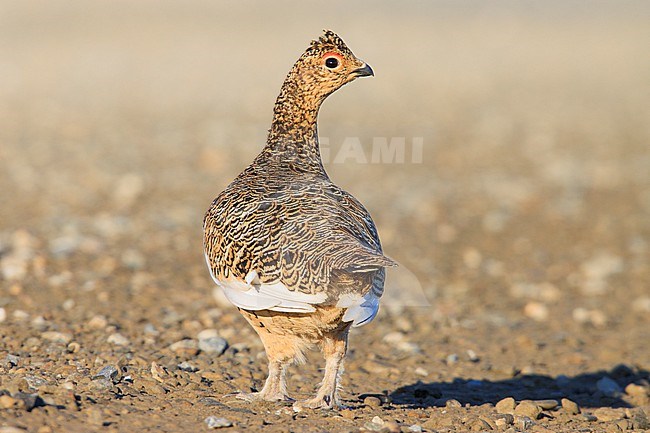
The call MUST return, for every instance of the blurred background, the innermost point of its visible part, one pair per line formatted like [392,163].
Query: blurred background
[120,121]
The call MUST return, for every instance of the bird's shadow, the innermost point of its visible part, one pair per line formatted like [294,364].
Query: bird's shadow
[589,390]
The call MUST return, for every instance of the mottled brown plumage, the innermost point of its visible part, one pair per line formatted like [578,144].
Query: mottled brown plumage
[299,256]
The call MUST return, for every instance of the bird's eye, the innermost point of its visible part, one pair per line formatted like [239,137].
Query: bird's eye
[331,62]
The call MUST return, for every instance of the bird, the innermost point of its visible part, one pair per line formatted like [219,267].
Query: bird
[297,255]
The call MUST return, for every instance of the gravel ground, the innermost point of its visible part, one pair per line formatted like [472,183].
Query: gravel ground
[526,224]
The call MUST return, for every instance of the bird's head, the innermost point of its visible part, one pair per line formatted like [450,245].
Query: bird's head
[329,64]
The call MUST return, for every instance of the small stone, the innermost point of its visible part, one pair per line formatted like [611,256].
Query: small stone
[11,361]
[529,409]
[108,372]
[7,401]
[118,339]
[421,371]
[98,322]
[3,314]
[398,340]
[636,390]
[536,311]
[507,405]
[56,337]
[377,424]
[523,422]
[504,419]
[480,425]
[186,366]
[158,372]
[588,417]
[570,406]
[624,424]
[451,359]
[608,387]
[372,401]
[216,422]
[347,413]
[11,429]
[27,401]
[186,347]
[473,357]
[547,404]
[609,414]
[213,345]
[20,315]
[415,428]
[452,403]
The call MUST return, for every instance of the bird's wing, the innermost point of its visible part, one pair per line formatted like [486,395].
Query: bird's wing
[295,247]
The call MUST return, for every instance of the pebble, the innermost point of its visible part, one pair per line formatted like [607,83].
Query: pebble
[609,387]
[186,366]
[216,422]
[421,371]
[186,347]
[213,345]
[11,361]
[609,414]
[529,409]
[3,314]
[98,322]
[398,340]
[56,337]
[453,403]
[10,429]
[118,339]
[523,422]
[158,372]
[536,311]
[570,406]
[26,401]
[109,372]
[547,404]
[372,401]
[451,359]
[504,419]
[594,317]
[636,390]
[377,424]
[507,405]
[20,315]
[473,357]
[7,401]
[480,424]
[415,428]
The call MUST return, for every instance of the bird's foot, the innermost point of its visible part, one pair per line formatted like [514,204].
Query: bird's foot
[318,402]
[260,396]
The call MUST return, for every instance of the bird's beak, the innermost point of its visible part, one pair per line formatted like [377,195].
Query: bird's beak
[364,71]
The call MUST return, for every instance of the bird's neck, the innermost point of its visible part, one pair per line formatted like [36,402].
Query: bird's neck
[293,137]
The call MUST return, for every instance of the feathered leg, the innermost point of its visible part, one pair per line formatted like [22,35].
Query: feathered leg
[281,351]
[334,347]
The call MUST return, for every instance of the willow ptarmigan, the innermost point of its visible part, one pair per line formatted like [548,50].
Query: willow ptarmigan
[297,255]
